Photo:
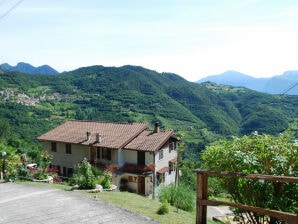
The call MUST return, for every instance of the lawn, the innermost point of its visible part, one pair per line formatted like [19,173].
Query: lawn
[147,207]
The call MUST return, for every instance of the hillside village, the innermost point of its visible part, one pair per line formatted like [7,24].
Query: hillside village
[24,99]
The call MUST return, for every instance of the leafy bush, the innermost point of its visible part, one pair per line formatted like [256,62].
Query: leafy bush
[257,154]
[180,197]
[23,173]
[164,208]
[96,172]
[106,180]
[83,176]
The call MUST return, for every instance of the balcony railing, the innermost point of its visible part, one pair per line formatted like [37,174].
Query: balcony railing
[133,168]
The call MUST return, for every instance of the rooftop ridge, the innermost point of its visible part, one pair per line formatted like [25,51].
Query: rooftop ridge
[107,122]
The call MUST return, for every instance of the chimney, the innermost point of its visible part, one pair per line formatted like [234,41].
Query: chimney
[98,138]
[156,128]
[88,134]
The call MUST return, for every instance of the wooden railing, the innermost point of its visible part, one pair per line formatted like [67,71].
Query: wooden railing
[202,196]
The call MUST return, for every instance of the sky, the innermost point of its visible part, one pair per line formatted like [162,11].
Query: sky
[192,38]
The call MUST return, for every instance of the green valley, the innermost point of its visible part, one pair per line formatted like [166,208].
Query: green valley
[198,113]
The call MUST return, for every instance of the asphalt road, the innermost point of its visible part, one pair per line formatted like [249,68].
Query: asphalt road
[26,204]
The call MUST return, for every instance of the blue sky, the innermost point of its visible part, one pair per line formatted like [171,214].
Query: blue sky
[192,38]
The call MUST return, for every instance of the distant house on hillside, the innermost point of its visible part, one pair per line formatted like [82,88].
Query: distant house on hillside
[146,159]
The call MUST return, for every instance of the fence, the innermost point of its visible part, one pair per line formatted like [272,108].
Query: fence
[202,195]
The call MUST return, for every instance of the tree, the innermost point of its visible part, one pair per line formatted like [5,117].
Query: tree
[257,154]
[4,128]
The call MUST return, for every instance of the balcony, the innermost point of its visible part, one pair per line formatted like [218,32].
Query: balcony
[138,169]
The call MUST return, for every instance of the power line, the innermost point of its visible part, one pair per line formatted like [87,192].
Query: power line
[288,89]
[10,9]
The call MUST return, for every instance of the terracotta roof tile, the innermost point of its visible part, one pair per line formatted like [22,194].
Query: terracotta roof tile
[113,135]
[149,140]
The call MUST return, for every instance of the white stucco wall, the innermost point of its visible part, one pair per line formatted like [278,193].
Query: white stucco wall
[78,153]
[164,162]
[131,157]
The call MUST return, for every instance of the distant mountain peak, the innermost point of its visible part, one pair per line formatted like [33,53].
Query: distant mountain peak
[273,85]
[291,74]
[29,69]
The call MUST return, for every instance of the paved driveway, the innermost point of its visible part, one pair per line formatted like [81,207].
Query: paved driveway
[31,204]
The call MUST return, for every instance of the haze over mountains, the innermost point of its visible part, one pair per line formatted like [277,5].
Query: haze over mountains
[287,83]
[29,69]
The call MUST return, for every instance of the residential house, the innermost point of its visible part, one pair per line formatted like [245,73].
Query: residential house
[145,158]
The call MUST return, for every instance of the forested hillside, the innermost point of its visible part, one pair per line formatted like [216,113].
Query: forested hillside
[199,113]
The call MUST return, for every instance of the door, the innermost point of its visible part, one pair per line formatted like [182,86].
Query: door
[141,185]
[93,155]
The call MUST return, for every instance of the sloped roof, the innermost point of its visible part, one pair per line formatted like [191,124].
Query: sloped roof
[113,135]
[149,140]
[132,136]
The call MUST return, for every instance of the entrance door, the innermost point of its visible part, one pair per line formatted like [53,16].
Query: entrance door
[141,185]
[93,155]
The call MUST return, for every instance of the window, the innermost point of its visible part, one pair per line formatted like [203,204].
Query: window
[54,146]
[160,154]
[172,146]
[106,154]
[69,172]
[171,167]
[64,171]
[141,158]
[103,153]
[130,178]
[160,178]
[68,148]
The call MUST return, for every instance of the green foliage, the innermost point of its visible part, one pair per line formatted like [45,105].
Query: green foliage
[105,180]
[164,208]
[44,159]
[83,175]
[257,154]
[23,173]
[40,174]
[4,128]
[180,197]
[10,162]
[188,177]
[200,113]
[96,172]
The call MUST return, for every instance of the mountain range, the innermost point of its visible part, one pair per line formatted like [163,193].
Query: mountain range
[199,113]
[287,83]
[29,69]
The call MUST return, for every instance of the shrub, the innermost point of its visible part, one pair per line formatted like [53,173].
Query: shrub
[23,173]
[107,180]
[96,172]
[164,208]
[180,197]
[83,176]
[257,154]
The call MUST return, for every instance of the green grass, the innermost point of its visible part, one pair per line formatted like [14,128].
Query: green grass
[146,207]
